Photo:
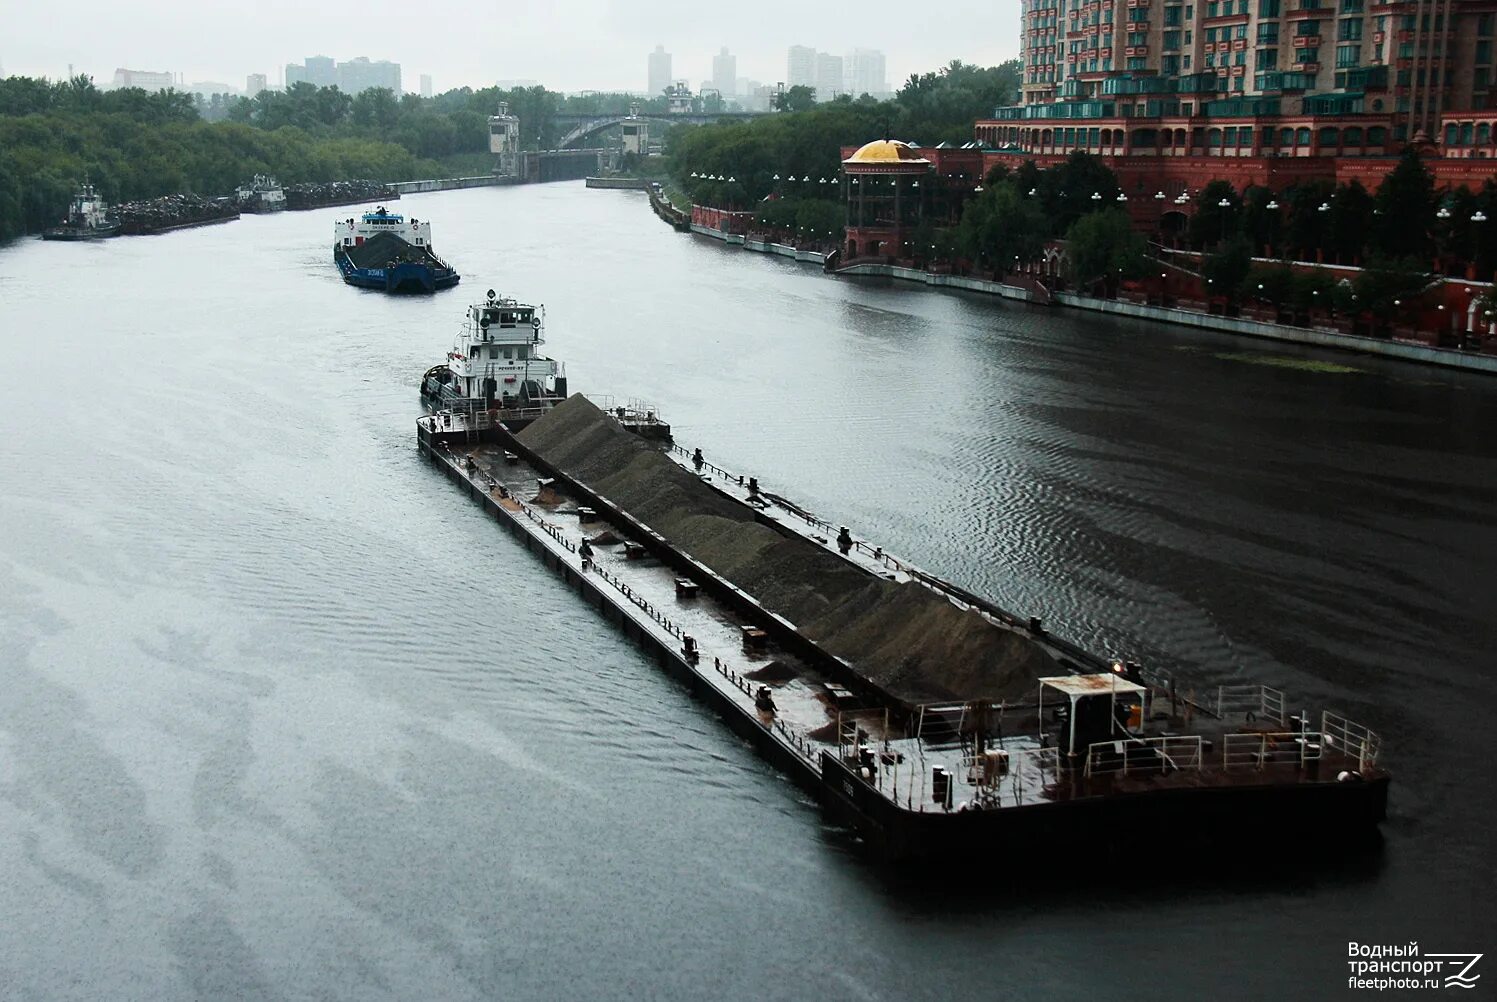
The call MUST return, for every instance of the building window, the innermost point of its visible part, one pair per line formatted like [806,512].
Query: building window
[1268,59]
[1352,6]
[1484,24]
[1171,41]
[1172,15]
[1268,34]
[1483,53]
[1137,63]
[1213,9]
[1483,134]
[1347,55]
[1350,30]
[1309,56]
[1268,8]
[1307,29]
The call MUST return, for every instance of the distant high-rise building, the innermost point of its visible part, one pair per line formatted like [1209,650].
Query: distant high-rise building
[254,84]
[725,73]
[829,82]
[660,71]
[358,75]
[144,79]
[426,85]
[295,73]
[866,75]
[322,71]
[800,69]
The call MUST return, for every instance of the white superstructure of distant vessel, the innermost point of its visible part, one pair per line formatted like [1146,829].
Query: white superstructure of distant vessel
[262,194]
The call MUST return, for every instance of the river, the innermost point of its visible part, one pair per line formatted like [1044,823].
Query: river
[285,716]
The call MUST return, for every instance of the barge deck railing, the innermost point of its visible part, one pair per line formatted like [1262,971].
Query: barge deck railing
[1351,739]
[1173,753]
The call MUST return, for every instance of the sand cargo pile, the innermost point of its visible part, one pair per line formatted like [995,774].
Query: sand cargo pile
[903,637]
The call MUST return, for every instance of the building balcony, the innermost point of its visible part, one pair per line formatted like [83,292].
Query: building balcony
[1307,41]
[1136,50]
[1239,44]
[1319,13]
[1307,67]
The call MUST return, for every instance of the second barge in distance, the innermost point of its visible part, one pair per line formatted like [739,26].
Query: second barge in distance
[385,251]
[1029,744]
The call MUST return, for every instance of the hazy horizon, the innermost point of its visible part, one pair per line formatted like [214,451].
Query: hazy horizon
[569,45]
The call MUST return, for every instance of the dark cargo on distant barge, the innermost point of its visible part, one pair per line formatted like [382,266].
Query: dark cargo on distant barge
[383,250]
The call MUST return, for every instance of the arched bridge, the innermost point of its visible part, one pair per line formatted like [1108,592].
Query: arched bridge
[579,127]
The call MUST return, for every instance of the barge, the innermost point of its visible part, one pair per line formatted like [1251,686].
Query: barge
[383,250]
[1070,753]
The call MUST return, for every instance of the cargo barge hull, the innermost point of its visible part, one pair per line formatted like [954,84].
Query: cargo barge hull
[898,817]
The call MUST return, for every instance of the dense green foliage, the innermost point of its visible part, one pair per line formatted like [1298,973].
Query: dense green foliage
[929,109]
[132,144]
[1103,246]
[1346,224]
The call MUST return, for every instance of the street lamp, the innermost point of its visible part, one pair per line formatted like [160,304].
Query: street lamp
[1324,207]
[1444,213]
[1272,205]
[1224,204]
[1159,196]
[1122,197]
[1096,196]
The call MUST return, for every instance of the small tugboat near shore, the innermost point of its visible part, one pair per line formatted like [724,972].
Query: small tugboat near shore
[88,218]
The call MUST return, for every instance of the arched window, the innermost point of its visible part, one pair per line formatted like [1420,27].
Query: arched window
[1213,137]
[1286,137]
[1377,136]
[1302,137]
[1467,132]
[1330,136]
[1450,134]
[1352,136]
[1484,134]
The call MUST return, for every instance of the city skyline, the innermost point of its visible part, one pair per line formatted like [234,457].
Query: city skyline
[605,41]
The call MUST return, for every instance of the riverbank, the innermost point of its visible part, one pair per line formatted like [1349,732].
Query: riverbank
[1407,351]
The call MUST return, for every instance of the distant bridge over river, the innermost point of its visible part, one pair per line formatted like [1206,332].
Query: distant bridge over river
[580,127]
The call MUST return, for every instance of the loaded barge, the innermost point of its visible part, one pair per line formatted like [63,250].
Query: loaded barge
[1065,751]
[383,250]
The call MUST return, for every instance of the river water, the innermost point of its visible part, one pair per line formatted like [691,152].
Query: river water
[286,716]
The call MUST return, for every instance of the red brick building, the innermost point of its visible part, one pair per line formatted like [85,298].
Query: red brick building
[1176,93]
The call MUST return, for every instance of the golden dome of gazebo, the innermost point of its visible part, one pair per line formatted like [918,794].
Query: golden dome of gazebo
[887,153]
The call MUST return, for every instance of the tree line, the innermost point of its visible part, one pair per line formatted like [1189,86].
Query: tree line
[807,139]
[133,144]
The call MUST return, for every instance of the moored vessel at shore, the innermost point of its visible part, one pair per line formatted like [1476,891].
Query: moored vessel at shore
[263,194]
[495,365]
[88,218]
[384,250]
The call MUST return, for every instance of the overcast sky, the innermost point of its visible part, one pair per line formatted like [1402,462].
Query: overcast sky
[568,45]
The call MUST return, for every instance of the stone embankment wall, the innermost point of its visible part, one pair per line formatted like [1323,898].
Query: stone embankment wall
[911,642]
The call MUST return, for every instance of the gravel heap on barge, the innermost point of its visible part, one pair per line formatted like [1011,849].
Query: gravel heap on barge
[910,642]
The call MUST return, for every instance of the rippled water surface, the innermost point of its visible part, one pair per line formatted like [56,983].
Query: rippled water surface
[284,716]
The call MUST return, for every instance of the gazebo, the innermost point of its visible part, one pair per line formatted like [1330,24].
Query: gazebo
[882,183]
